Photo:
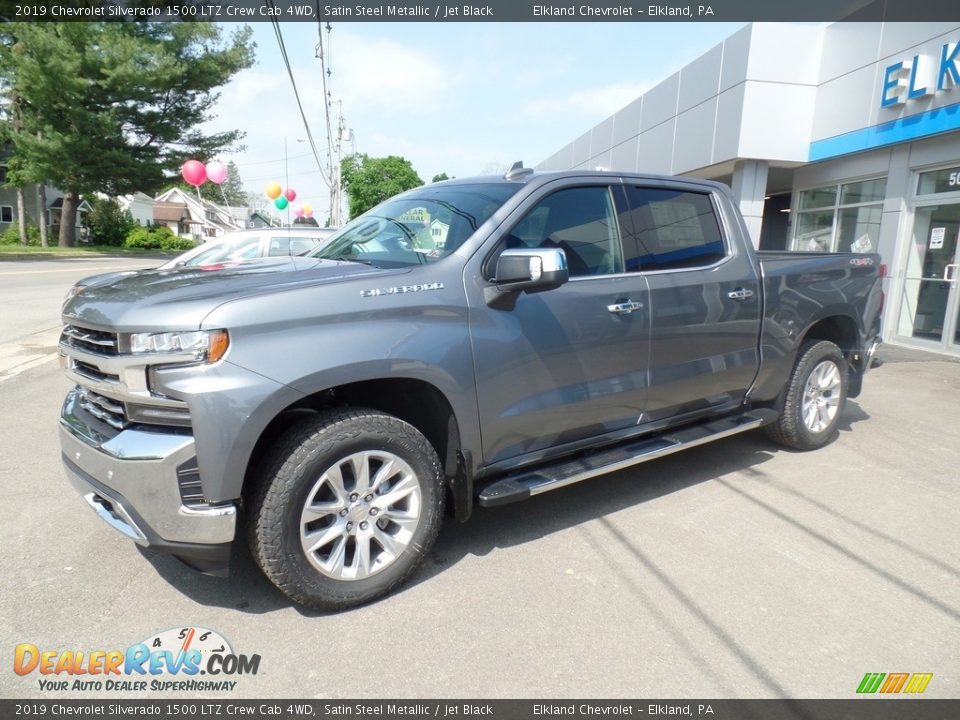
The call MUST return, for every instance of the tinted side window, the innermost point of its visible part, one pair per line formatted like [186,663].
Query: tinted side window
[671,229]
[579,221]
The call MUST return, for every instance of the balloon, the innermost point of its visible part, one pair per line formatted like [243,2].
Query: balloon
[298,211]
[216,172]
[273,190]
[281,203]
[307,210]
[194,173]
[290,194]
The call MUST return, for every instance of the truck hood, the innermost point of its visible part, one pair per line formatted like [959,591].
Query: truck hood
[179,298]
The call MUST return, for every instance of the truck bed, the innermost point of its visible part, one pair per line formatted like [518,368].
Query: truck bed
[799,289]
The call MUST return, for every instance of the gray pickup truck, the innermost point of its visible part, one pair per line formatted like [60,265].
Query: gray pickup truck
[472,341]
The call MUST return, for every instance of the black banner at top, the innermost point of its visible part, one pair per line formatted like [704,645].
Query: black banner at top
[480,11]
[212,708]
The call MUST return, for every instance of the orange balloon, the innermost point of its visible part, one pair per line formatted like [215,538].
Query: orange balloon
[273,190]
[307,209]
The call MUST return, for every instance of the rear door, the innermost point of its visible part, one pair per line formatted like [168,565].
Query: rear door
[705,308]
[568,363]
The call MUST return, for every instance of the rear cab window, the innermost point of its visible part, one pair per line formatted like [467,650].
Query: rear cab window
[668,229]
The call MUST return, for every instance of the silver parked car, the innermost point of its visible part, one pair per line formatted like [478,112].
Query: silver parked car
[254,243]
[233,247]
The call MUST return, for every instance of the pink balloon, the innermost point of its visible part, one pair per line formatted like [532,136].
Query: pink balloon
[298,211]
[194,173]
[290,194]
[216,172]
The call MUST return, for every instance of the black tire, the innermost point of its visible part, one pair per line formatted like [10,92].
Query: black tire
[791,429]
[290,475]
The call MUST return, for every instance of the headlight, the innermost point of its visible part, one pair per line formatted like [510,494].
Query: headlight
[209,345]
[72,293]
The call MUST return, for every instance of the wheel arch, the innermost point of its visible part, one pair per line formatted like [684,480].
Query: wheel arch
[413,400]
[844,331]
[841,329]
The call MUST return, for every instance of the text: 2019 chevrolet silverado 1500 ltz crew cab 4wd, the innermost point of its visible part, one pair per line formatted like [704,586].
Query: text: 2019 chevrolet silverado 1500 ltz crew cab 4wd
[472,341]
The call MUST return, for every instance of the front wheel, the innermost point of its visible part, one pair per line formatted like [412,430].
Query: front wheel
[346,507]
[814,398]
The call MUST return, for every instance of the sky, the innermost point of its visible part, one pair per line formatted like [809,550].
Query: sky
[460,98]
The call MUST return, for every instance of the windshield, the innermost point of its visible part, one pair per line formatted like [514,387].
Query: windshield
[418,228]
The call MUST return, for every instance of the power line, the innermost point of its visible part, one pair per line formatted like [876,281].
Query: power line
[296,93]
[278,160]
[326,94]
[274,177]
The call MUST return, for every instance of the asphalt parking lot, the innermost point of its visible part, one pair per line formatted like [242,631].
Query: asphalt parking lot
[737,569]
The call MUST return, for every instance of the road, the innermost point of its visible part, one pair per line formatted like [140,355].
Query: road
[32,292]
[737,569]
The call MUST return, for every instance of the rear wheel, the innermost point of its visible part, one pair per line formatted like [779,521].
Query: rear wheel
[814,398]
[346,508]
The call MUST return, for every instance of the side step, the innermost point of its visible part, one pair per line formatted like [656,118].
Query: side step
[526,483]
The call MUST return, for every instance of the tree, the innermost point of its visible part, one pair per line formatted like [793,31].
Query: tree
[114,107]
[369,181]
[440,177]
[233,186]
[109,223]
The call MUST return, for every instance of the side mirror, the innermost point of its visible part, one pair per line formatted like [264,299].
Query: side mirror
[531,269]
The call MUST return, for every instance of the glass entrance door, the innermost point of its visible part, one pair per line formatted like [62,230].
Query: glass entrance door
[931,301]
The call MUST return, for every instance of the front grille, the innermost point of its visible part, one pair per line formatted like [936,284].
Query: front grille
[103,408]
[94,373]
[95,341]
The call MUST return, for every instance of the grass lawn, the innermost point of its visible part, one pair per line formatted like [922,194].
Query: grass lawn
[79,251]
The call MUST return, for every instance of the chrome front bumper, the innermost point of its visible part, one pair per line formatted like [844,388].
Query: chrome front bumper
[130,481]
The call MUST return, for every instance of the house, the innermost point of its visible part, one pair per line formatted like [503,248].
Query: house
[258,220]
[139,205]
[32,204]
[192,217]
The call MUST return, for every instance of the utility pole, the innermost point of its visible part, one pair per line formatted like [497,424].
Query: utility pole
[335,171]
[286,175]
[344,134]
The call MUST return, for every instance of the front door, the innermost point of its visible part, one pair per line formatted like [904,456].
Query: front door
[570,363]
[930,304]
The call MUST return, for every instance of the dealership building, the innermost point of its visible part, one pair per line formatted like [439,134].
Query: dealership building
[837,138]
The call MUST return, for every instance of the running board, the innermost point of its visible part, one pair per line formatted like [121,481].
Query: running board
[525,484]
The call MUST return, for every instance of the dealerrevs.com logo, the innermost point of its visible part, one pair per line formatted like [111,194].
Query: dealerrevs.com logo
[186,659]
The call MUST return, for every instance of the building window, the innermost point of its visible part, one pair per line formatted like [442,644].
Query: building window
[840,218]
[939,181]
[6,213]
[3,174]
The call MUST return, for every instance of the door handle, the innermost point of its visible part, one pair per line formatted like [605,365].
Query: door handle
[740,294]
[947,275]
[625,308]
